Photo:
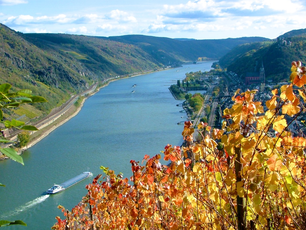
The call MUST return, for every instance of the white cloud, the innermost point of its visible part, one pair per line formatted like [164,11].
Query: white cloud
[87,19]
[28,19]
[227,18]
[12,2]
[216,9]
[105,27]
[35,30]
[79,30]
[121,16]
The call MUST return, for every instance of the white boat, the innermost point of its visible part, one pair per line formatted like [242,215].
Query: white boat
[56,188]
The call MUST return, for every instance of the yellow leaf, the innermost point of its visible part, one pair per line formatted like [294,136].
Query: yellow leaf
[224,139]
[283,88]
[161,199]
[293,76]
[230,177]
[274,92]
[272,187]
[271,104]
[217,133]
[280,125]
[289,179]
[290,109]
[247,144]
[240,189]
[237,108]
[269,115]
[302,94]
[196,167]
[218,176]
[261,123]
[192,200]
[274,178]
[256,200]
[259,107]
[181,166]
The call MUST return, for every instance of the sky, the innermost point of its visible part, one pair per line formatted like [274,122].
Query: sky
[198,19]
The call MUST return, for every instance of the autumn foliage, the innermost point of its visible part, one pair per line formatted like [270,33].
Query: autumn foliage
[248,175]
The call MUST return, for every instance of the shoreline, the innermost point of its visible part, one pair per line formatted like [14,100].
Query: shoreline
[69,114]
[72,112]
[59,122]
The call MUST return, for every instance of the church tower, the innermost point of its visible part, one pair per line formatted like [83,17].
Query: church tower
[262,75]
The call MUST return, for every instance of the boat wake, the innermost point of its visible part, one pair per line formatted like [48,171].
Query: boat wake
[26,206]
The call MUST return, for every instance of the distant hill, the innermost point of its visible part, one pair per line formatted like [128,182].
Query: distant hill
[57,66]
[185,50]
[275,55]
[293,33]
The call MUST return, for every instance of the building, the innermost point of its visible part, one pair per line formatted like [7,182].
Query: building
[255,77]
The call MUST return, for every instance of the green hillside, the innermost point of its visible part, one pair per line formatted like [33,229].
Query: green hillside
[184,50]
[57,66]
[276,56]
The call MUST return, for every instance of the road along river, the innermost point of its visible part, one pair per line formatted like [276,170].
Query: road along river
[117,124]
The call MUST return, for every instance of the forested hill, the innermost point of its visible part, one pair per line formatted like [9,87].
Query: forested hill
[276,56]
[185,49]
[57,66]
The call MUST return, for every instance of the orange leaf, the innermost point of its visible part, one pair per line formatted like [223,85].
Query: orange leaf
[299,82]
[289,93]
[150,179]
[217,133]
[288,219]
[173,157]
[290,109]
[178,201]
[187,162]
[273,163]
[165,179]
[134,212]
[271,104]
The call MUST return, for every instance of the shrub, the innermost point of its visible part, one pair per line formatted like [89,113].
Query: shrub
[250,174]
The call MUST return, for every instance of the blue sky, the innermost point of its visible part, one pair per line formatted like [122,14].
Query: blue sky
[199,19]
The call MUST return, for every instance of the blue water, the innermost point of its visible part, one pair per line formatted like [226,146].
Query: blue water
[113,127]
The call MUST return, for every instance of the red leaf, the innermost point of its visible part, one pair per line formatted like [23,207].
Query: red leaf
[187,162]
[150,179]
[134,212]
[288,219]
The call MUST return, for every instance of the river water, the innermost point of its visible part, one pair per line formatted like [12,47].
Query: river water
[114,126]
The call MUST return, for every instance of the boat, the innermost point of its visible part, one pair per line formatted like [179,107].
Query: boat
[56,188]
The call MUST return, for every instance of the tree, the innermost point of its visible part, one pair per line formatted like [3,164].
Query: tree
[178,83]
[9,100]
[250,174]
[23,138]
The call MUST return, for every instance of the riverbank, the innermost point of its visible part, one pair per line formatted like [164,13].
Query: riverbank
[69,114]
[62,118]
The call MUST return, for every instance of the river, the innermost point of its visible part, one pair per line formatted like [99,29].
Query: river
[114,126]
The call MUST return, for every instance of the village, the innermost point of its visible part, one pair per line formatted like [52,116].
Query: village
[216,88]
